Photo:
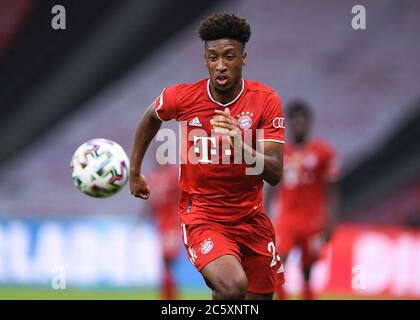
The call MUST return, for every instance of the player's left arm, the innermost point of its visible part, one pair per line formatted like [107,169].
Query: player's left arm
[272,158]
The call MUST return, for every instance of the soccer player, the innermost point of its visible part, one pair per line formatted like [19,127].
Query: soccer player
[308,194]
[163,206]
[226,232]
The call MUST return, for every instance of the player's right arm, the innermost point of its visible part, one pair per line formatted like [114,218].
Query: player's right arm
[163,109]
[147,129]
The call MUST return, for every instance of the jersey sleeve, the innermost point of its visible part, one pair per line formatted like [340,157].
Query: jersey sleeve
[272,122]
[165,104]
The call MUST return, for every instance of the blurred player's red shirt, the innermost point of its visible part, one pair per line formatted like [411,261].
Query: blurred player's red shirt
[307,171]
[210,191]
[163,199]
[163,202]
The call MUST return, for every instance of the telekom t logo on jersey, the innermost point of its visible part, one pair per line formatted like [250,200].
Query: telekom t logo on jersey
[198,147]
[204,147]
[207,142]
[207,148]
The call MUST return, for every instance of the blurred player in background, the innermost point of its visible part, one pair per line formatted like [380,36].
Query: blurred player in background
[164,209]
[307,196]
[225,230]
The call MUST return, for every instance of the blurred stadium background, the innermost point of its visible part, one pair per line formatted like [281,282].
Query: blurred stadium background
[59,88]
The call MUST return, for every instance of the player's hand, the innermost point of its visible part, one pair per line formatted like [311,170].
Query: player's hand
[224,124]
[139,186]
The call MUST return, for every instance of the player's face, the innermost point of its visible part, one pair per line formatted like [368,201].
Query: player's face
[299,127]
[224,59]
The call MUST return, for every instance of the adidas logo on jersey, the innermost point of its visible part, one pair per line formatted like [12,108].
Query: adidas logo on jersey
[195,122]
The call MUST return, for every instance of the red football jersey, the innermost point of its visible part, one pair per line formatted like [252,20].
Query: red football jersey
[307,171]
[214,186]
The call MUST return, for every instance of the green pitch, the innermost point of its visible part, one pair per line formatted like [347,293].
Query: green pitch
[27,293]
[36,293]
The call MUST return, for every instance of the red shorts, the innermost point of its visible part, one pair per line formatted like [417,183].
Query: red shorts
[251,241]
[310,241]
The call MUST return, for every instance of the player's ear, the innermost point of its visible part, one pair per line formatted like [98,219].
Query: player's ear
[244,58]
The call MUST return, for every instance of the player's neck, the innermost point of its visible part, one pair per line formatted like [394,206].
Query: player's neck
[228,97]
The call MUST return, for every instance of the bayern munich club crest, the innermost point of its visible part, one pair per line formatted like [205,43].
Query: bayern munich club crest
[206,246]
[245,120]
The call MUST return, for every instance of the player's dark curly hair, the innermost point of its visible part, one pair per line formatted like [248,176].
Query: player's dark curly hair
[225,26]
[298,107]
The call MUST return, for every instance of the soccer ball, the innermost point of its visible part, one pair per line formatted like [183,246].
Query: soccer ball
[99,168]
